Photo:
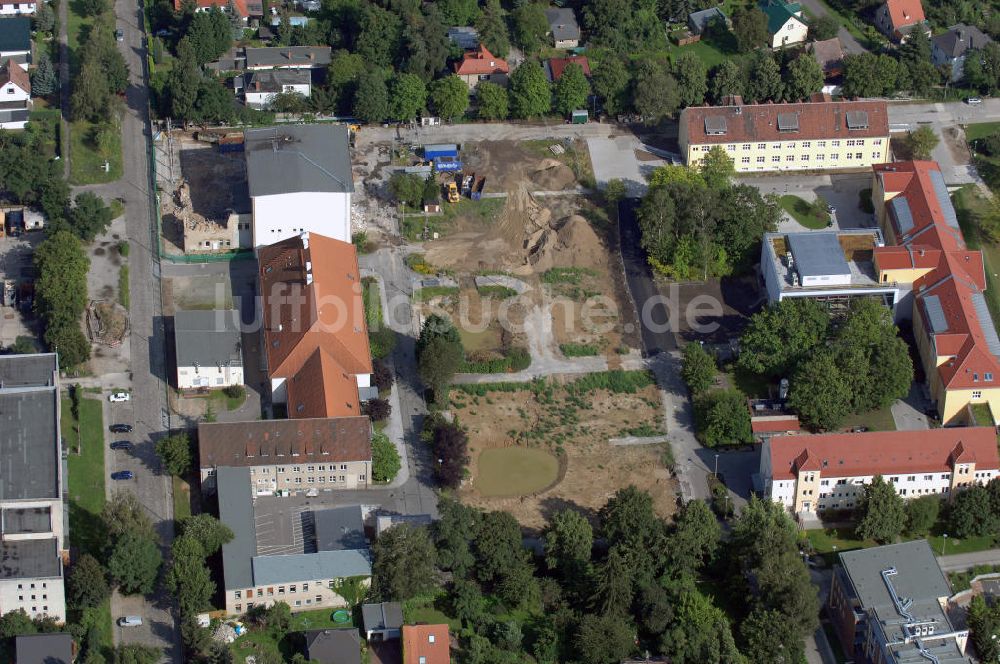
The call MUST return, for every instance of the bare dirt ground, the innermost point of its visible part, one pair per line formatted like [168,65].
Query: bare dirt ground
[185,293]
[555,421]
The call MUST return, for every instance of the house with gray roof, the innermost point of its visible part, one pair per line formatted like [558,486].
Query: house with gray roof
[887,605]
[563,27]
[44,649]
[333,646]
[32,472]
[383,620]
[15,40]
[209,349]
[950,48]
[698,22]
[285,550]
[300,180]
[287,57]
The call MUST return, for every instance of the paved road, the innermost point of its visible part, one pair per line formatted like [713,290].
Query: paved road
[64,87]
[960,561]
[818,8]
[486,131]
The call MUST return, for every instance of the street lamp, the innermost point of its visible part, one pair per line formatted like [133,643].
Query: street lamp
[716,473]
[943,542]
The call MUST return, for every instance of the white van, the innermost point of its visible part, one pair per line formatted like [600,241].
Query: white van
[130,621]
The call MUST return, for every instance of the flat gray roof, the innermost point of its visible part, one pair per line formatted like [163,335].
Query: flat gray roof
[208,338]
[236,511]
[311,566]
[29,435]
[298,158]
[44,649]
[26,520]
[30,559]
[285,56]
[817,254]
[340,528]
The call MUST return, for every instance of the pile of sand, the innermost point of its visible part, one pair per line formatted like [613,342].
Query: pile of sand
[552,175]
[570,243]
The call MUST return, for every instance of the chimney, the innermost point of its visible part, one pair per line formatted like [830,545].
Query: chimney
[311,55]
[256,85]
[288,54]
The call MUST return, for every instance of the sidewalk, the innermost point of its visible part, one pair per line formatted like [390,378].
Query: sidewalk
[961,561]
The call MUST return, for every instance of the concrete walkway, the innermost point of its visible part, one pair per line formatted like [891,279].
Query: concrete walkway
[960,561]
[908,413]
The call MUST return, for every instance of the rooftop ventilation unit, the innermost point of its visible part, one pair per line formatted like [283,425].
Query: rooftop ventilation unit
[788,121]
[715,125]
[857,120]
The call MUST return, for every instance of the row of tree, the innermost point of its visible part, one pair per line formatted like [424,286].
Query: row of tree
[102,74]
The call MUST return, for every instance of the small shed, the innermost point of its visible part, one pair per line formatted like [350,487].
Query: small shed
[384,620]
[436,150]
[698,21]
[579,116]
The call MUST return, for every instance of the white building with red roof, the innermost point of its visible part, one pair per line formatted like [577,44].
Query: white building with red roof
[809,474]
[481,65]
[15,102]
[896,19]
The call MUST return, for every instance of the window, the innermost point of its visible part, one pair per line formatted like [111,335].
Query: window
[343,466]
[430,638]
[298,602]
[296,469]
[820,157]
[761,146]
[343,479]
[291,589]
[745,160]
[305,587]
[790,146]
[322,479]
[281,590]
[894,479]
[310,469]
[362,478]
[977,394]
[790,157]
[850,143]
[835,144]
[730,148]
[805,157]
[825,483]
[857,155]
[928,478]
[705,148]
[238,594]
[239,607]
[775,159]
[423,660]
[945,476]
[760,160]
[281,469]
[260,592]
[860,142]
[312,480]
[806,144]
[911,478]
[298,480]
[746,146]
[834,156]
[322,468]
[878,141]
[319,598]
[821,144]
[270,591]
[850,155]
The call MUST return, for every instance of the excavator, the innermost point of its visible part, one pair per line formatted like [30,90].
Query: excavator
[452,192]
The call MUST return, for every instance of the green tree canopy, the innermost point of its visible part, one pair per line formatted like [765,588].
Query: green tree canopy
[882,513]
[371,101]
[691,76]
[804,78]
[492,28]
[385,458]
[699,369]
[530,27]
[407,96]
[125,514]
[721,418]
[175,453]
[922,141]
[449,97]
[781,336]
[530,92]
[87,583]
[727,79]
[654,91]
[404,562]
[207,531]
[571,90]
[492,101]
[611,83]
[188,578]
[921,514]
[749,28]
[819,393]
[502,562]
[134,563]
[568,541]
[971,513]
[603,639]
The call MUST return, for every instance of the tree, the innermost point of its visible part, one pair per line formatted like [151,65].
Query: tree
[134,563]
[94,7]
[530,93]
[459,12]
[571,90]
[124,514]
[407,188]
[91,95]
[467,602]
[450,445]
[805,77]
[181,88]
[921,142]
[209,34]
[915,58]
[971,513]
[690,73]
[492,101]
[175,453]
[568,541]
[749,28]
[439,354]
[61,295]
[721,418]
[407,96]
[371,102]
[655,95]
[698,371]
[921,514]
[716,168]
[385,458]
[982,68]
[43,79]
[502,562]
[883,515]
[819,392]
[779,337]
[767,634]
[188,578]
[727,79]
[87,584]
[603,639]
[403,562]
[694,539]
[208,531]
[611,82]
[700,633]
[382,377]
[763,78]
[530,27]
[449,97]
[614,584]
[16,623]
[823,28]
[492,29]
[869,338]
[43,21]
[984,621]
[89,216]
[377,409]
[136,654]
[454,533]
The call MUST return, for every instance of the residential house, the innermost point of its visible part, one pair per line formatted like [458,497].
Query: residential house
[333,646]
[15,40]
[32,485]
[54,648]
[300,181]
[17,8]
[833,267]
[951,47]
[698,22]
[260,86]
[786,25]
[563,27]
[290,455]
[426,644]
[810,474]
[888,604]
[245,9]
[383,620]
[464,37]
[481,65]
[15,96]
[284,562]
[818,135]
[944,280]
[897,18]
[209,349]
[829,54]
[315,335]
[554,67]
[240,58]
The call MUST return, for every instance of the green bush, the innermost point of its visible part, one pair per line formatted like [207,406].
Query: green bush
[514,359]
[123,249]
[566,275]
[617,381]
[418,264]
[382,341]
[579,350]
[865,200]
[499,292]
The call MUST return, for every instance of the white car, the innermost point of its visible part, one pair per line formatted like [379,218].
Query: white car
[973,100]
[118,397]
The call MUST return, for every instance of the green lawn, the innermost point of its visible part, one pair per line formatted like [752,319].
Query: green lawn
[262,641]
[969,204]
[45,123]
[514,471]
[86,473]
[86,164]
[875,420]
[485,210]
[983,415]
[182,498]
[430,292]
[981,130]
[824,541]
[429,610]
[373,302]
[803,213]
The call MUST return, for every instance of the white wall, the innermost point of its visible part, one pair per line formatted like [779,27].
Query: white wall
[10,9]
[282,216]
[264,99]
[792,32]
[211,377]
[827,280]
[49,597]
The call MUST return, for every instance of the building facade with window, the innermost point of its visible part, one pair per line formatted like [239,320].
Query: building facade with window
[809,474]
[818,135]
[290,456]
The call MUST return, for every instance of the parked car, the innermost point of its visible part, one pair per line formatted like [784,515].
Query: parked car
[130,621]
[973,100]
[119,35]
[118,397]
[121,428]
[123,475]
[121,445]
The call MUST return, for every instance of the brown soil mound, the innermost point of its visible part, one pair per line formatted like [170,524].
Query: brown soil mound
[572,243]
[552,175]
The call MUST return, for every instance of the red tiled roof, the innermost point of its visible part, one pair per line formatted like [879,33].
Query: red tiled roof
[759,122]
[11,72]
[883,452]
[311,299]
[905,12]
[426,644]
[480,62]
[239,5]
[558,65]
[774,424]
[322,389]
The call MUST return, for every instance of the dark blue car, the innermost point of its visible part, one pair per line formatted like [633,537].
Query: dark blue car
[123,475]
[121,445]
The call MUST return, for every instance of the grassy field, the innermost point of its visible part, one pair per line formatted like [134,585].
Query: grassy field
[830,541]
[981,130]
[258,641]
[514,471]
[86,473]
[803,213]
[485,211]
[875,420]
[373,302]
[427,610]
[86,163]
[969,205]
[182,498]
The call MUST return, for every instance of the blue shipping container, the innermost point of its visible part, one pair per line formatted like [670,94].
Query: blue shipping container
[440,150]
[447,164]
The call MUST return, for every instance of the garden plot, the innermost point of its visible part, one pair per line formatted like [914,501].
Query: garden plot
[543,446]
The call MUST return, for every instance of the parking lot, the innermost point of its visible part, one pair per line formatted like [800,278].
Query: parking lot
[16,265]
